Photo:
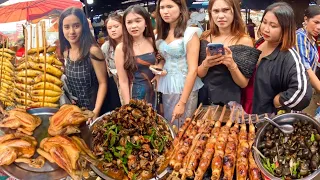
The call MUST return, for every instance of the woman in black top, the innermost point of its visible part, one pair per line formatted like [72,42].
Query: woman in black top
[221,76]
[85,68]
[281,80]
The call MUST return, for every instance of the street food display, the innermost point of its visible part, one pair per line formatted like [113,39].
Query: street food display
[6,76]
[19,146]
[67,120]
[21,120]
[38,81]
[67,152]
[290,156]
[132,141]
[203,143]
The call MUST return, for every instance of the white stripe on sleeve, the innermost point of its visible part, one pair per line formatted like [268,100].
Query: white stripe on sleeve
[302,81]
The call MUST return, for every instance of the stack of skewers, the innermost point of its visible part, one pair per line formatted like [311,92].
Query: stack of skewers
[202,140]
[38,76]
[6,76]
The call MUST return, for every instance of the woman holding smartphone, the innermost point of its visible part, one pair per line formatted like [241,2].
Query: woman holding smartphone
[220,73]
[135,54]
[179,46]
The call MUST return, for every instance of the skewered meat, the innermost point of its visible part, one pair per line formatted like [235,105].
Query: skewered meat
[229,160]
[67,120]
[242,154]
[19,147]
[209,149]
[216,164]
[21,120]
[66,152]
[254,172]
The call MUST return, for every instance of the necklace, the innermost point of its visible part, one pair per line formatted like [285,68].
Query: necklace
[138,43]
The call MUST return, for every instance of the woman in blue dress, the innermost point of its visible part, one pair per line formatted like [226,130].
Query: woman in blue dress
[179,46]
[135,55]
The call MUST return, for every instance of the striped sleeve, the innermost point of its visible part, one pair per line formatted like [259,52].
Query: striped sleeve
[303,50]
[299,92]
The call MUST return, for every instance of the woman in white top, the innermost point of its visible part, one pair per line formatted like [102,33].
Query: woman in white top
[179,46]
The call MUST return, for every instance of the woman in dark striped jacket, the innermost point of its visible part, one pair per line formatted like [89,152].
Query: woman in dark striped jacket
[281,80]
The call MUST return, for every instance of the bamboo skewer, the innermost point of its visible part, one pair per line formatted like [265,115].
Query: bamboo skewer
[45,59]
[254,172]
[206,157]
[243,152]
[220,146]
[26,65]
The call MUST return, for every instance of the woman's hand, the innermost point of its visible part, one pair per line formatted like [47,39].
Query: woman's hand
[90,120]
[228,60]
[213,60]
[154,70]
[178,111]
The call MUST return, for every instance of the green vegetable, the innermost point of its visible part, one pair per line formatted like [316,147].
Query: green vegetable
[120,148]
[125,168]
[134,177]
[270,167]
[312,139]
[108,156]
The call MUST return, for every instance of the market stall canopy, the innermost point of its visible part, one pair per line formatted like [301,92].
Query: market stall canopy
[30,10]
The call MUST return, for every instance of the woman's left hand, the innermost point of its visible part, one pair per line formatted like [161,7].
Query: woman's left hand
[228,60]
[178,111]
[90,120]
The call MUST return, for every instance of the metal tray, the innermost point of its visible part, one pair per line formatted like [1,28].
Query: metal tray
[49,171]
[87,136]
[288,118]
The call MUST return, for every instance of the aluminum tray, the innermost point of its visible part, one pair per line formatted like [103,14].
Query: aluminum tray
[88,140]
[288,118]
[49,171]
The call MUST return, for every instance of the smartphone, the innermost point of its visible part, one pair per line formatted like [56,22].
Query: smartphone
[216,48]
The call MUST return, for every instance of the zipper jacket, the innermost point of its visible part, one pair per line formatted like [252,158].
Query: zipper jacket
[281,72]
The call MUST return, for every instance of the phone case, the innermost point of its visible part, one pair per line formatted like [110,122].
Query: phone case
[216,48]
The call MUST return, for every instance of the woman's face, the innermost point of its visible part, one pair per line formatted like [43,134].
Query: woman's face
[313,25]
[114,29]
[135,24]
[222,14]
[270,28]
[72,28]
[169,11]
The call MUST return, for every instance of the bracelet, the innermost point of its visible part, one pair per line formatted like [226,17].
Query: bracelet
[234,67]
[204,66]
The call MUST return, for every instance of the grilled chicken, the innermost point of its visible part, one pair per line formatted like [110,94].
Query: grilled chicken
[67,120]
[21,120]
[66,152]
[19,147]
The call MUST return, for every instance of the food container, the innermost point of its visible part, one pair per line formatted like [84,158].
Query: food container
[49,171]
[88,138]
[288,118]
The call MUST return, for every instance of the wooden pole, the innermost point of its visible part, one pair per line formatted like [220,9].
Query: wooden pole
[45,59]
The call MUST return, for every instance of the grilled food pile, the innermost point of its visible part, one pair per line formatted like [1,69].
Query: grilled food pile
[37,79]
[6,76]
[132,141]
[202,142]
[19,146]
[69,153]
[291,156]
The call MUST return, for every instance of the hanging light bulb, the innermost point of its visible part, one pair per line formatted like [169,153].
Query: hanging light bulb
[90,1]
